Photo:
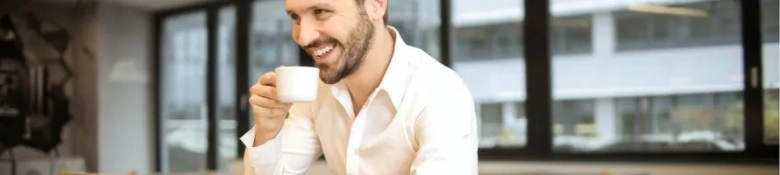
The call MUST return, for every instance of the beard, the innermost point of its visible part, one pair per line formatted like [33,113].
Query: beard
[355,50]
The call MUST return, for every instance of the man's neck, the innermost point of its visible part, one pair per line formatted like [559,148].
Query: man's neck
[368,77]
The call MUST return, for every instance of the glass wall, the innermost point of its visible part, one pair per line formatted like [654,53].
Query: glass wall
[490,41]
[571,34]
[677,24]
[770,27]
[271,44]
[487,51]
[418,23]
[663,76]
[183,93]
[226,88]
[628,76]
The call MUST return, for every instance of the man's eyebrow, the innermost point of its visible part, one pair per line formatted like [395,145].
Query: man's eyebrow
[310,8]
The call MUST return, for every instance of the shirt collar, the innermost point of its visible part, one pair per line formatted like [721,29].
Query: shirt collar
[394,80]
[396,76]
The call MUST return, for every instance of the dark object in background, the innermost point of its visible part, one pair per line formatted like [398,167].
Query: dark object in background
[48,105]
[33,108]
[14,85]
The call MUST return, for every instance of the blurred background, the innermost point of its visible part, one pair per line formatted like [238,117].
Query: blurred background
[640,87]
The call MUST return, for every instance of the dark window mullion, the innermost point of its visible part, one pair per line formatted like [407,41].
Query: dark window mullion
[445,41]
[156,78]
[754,102]
[243,19]
[538,76]
[211,87]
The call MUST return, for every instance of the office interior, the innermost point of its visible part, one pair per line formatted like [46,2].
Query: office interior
[640,87]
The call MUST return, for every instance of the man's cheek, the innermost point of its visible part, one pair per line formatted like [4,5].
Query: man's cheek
[295,36]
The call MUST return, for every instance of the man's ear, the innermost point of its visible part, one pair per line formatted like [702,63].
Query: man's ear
[377,9]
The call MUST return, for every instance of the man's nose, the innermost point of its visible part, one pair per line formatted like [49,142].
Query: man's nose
[307,32]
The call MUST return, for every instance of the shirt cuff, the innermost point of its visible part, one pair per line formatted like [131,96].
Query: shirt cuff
[266,154]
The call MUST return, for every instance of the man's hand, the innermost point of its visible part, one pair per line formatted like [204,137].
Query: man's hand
[268,112]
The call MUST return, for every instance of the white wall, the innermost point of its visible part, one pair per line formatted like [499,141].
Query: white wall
[125,111]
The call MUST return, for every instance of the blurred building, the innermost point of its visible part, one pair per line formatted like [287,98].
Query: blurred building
[626,74]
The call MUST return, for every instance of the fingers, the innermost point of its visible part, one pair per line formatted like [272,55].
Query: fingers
[269,113]
[268,79]
[263,91]
[263,98]
[266,102]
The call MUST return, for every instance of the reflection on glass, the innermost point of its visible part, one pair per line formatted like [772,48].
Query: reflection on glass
[183,93]
[418,23]
[649,79]
[769,23]
[271,43]
[226,88]
[487,54]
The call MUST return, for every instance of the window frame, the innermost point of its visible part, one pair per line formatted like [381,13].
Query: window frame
[538,57]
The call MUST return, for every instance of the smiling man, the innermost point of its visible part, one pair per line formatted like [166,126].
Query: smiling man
[384,107]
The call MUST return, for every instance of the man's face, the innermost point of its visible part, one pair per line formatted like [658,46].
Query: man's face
[336,33]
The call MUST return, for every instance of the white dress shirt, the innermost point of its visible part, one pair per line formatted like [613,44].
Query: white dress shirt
[420,120]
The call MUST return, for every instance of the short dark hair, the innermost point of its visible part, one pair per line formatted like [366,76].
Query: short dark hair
[360,3]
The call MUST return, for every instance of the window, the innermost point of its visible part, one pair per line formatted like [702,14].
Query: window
[769,23]
[771,117]
[640,26]
[503,40]
[571,34]
[573,123]
[627,79]
[418,23]
[690,122]
[271,44]
[183,99]
[226,88]
[502,124]
[671,97]
[490,123]
[488,41]
[497,85]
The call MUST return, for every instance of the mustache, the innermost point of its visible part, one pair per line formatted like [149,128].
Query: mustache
[319,42]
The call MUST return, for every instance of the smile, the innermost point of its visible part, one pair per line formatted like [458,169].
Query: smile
[323,51]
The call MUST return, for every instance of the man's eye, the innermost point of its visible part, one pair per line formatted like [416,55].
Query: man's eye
[294,17]
[320,12]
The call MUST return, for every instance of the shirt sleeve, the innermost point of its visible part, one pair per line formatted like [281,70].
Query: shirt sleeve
[292,151]
[447,136]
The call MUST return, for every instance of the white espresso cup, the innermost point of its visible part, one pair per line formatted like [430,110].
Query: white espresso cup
[297,83]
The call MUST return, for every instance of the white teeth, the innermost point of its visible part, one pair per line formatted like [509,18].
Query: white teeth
[323,51]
